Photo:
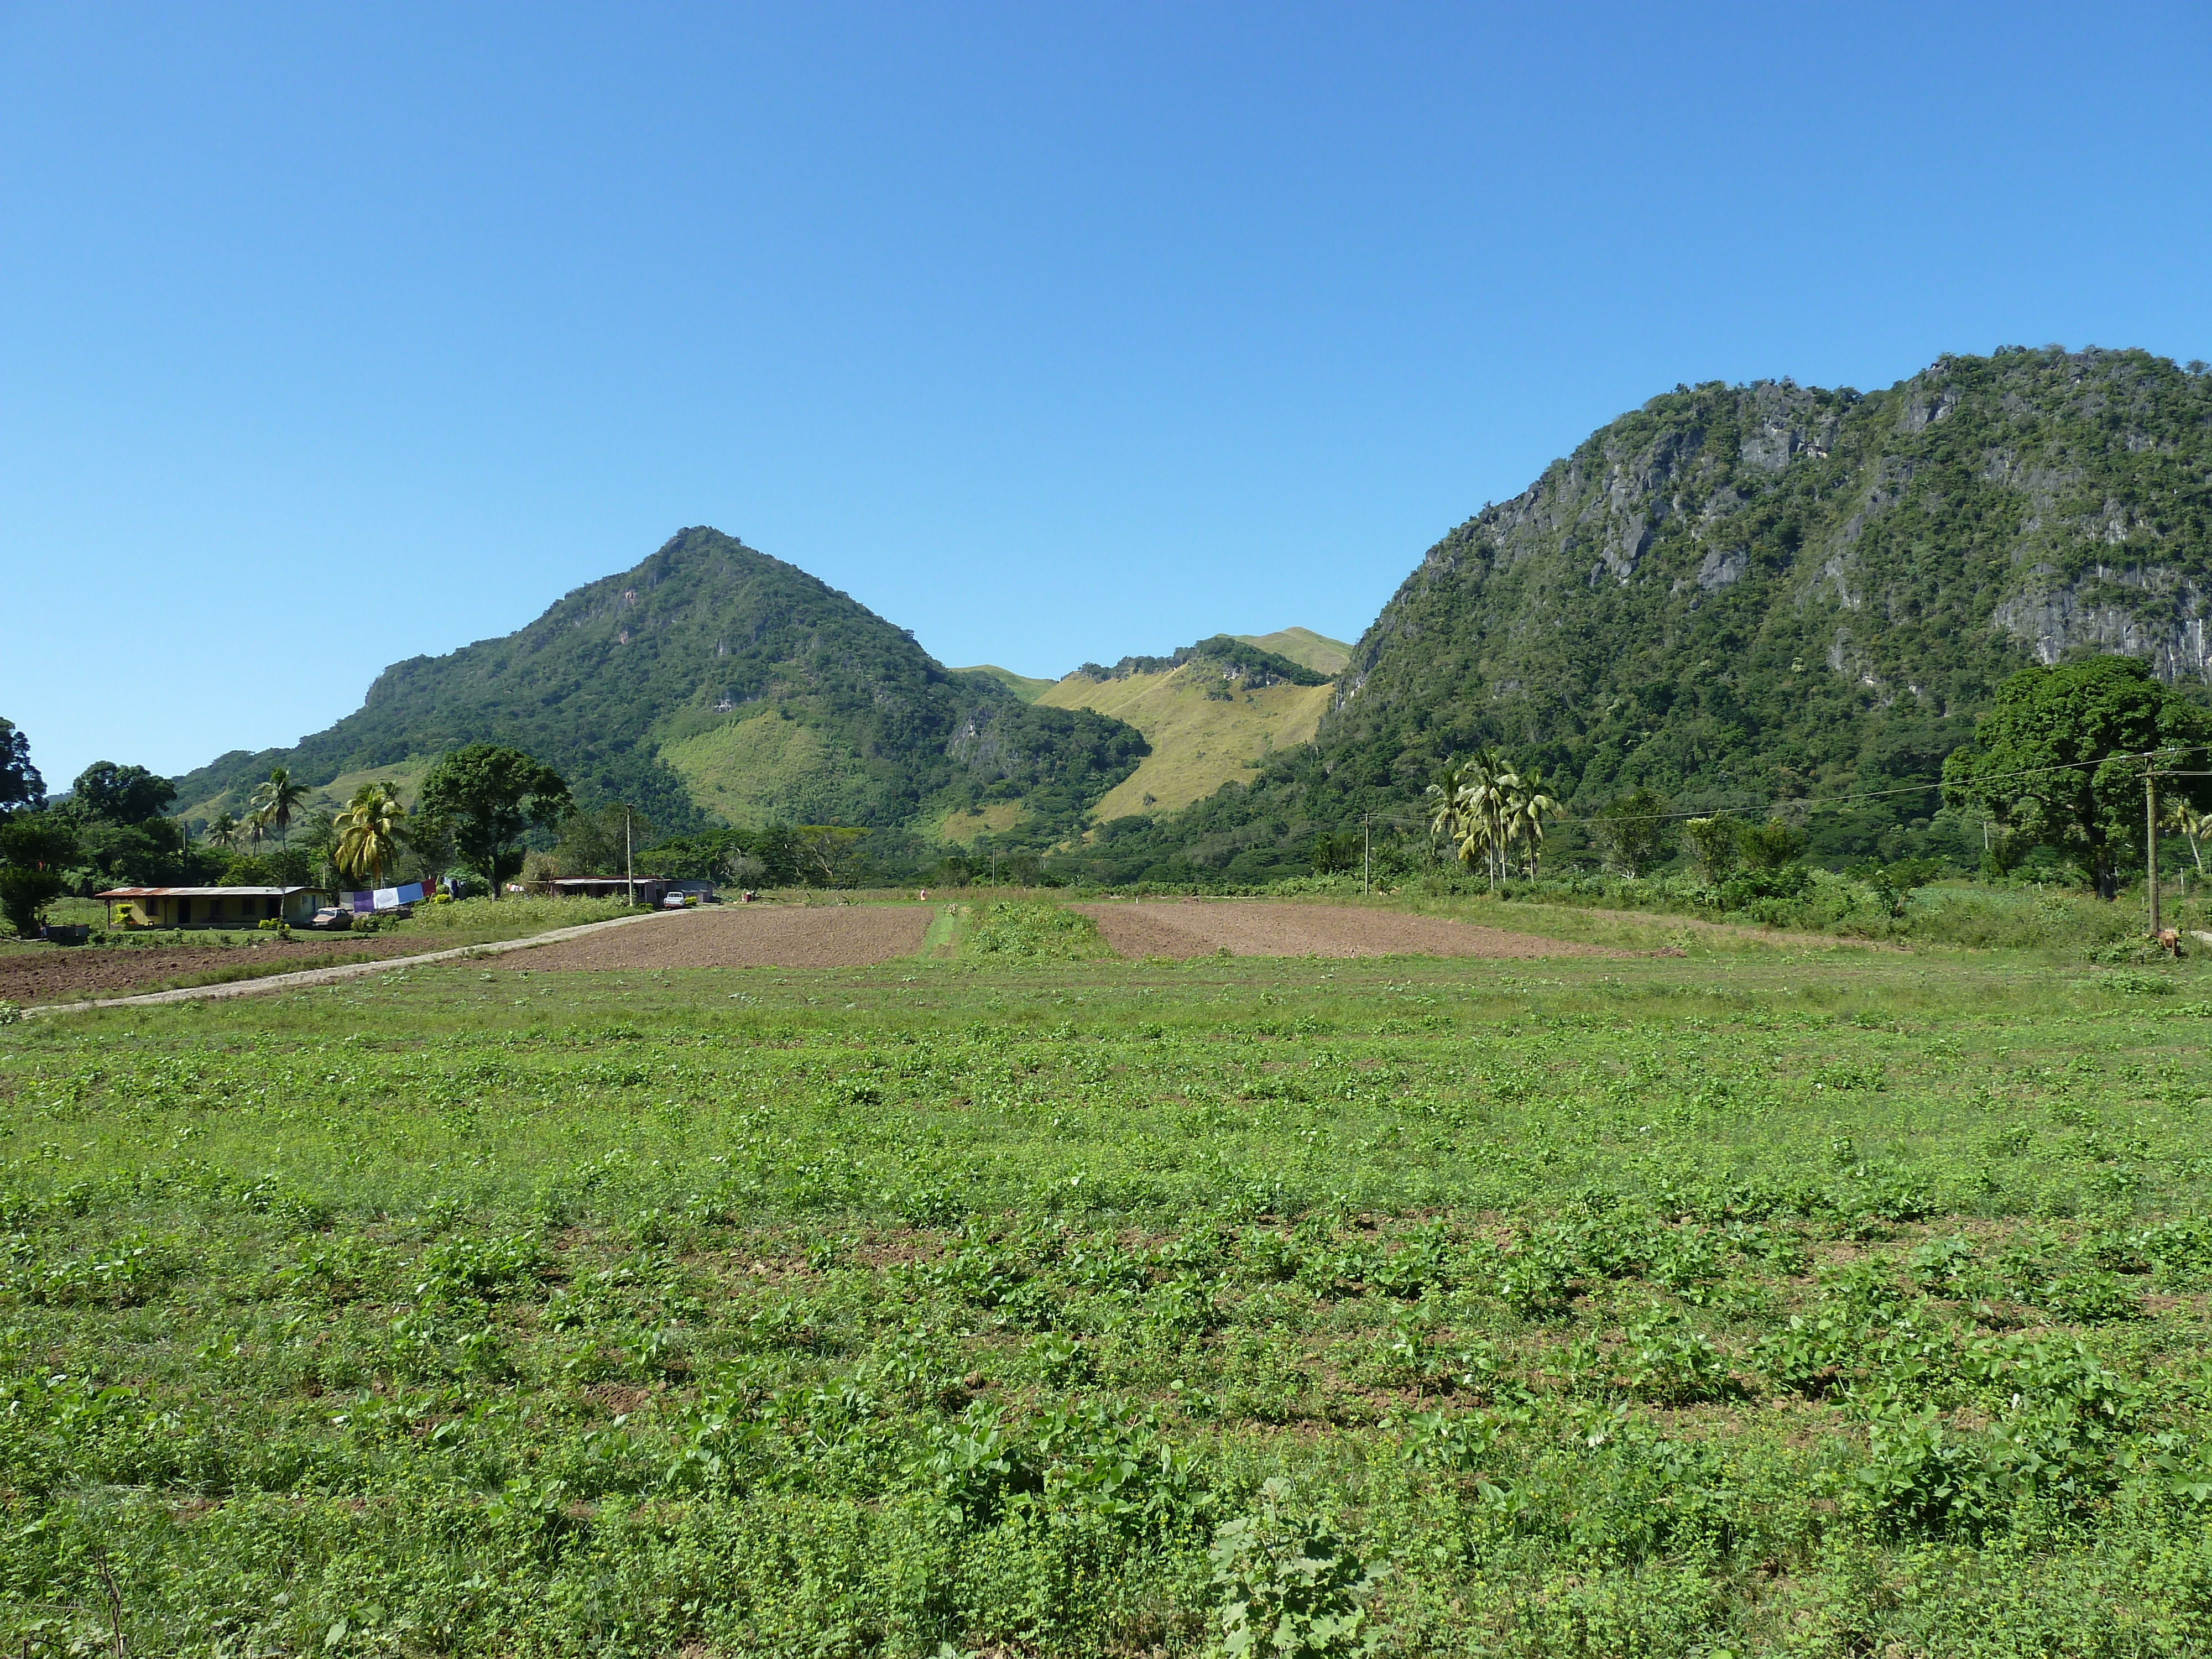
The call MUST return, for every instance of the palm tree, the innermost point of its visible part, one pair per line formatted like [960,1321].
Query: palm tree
[1487,784]
[1442,798]
[1450,815]
[1532,803]
[223,832]
[370,831]
[276,800]
[2194,825]
[254,830]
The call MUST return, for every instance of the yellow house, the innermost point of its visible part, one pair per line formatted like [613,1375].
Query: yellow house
[209,907]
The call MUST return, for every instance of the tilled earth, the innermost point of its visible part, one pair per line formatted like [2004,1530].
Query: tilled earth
[1268,927]
[58,974]
[743,936]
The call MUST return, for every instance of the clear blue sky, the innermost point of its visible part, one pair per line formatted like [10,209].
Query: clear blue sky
[336,335]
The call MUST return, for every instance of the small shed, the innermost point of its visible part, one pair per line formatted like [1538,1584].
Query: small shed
[210,907]
[650,889]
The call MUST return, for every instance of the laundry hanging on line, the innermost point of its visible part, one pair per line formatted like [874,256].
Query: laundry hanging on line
[382,898]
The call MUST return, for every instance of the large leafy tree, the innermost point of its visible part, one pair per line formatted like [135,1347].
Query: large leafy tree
[593,843]
[2059,760]
[1633,832]
[21,786]
[114,813]
[33,849]
[122,794]
[486,797]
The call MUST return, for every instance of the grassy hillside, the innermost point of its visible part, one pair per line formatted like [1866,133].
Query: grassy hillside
[1199,741]
[324,797]
[1021,685]
[962,826]
[711,681]
[1301,645]
[769,767]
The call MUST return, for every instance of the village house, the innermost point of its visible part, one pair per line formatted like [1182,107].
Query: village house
[648,890]
[210,907]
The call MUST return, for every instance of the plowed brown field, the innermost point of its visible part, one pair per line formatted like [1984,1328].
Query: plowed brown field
[743,936]
[55,974]
[1268,927]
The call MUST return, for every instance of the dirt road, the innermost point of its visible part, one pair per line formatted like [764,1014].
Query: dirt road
[744,936]
[1267,927]
[54,973]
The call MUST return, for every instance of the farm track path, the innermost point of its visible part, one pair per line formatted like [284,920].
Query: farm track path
[311,976]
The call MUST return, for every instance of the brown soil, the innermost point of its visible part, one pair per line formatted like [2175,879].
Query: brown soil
[55,973]
[743,936]
[1267,927]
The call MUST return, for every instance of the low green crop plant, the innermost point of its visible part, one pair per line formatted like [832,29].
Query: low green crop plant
[1290,1587]
[1035,930]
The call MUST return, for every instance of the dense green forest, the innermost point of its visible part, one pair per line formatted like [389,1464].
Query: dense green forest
[708,634]
[1751,596]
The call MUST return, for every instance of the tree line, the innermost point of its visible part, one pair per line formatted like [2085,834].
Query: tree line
[476,806]
[491,811]
[2054,777]
[2057,771]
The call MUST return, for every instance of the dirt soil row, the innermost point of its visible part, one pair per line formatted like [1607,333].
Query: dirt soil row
[856,936]
[54,973]
[1269,927]
[742,936]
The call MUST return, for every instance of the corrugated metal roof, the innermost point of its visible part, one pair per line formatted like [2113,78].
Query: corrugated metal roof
[204,892]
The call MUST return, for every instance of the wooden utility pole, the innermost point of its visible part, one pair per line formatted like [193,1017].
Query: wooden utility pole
[1366,861]
[2150,841]
[630,863]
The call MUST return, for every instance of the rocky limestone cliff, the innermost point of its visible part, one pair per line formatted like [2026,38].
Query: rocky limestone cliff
[1742,590]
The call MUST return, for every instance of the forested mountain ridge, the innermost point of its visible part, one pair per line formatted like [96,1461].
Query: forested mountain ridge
[1738,595]
[634,686]
[1742,594]
[1771,588]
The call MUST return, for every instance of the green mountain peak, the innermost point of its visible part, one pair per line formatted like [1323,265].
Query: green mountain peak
[710,662]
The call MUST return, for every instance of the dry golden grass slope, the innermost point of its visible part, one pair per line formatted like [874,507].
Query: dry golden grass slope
[1021,685]
[1304,647]
[1199,743]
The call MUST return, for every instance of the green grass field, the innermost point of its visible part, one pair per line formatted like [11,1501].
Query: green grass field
[1750,1301]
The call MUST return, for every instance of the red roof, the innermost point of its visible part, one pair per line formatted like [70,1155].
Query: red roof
[204,893]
